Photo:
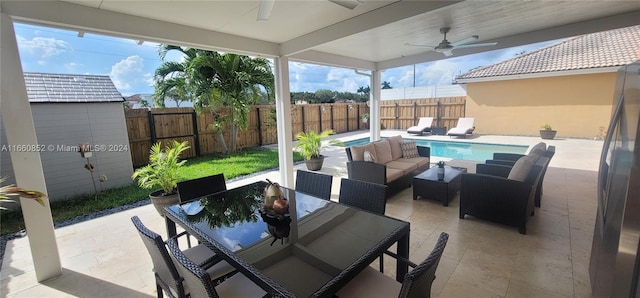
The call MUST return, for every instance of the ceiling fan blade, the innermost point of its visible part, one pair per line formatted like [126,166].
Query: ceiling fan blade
[475,45]
[264,10]
[465,41]
[447,53]
[348,4]
[418,45]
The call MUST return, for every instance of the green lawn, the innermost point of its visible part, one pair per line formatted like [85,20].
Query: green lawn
[245,162]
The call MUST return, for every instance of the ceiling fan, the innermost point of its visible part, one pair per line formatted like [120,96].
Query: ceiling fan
[264,10]
[447,47]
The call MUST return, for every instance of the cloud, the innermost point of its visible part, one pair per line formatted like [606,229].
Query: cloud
[128,72]
[310,77]
[44,47]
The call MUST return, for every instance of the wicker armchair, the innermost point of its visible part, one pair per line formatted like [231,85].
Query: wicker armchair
[508,159]
[315,184]
[167,278]
[488,194]
[195,188]
[417,283]
[200,283]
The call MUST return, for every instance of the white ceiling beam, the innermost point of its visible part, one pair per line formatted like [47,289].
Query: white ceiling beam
[558,32]
[328,59]
[382,16]
[83,18]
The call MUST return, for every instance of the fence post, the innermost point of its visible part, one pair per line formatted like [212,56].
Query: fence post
[358,116]
[320,117]
[304,128]
[415,113]
[331,111]
[259,126]
[439,114]
[152,127]
[347,118]
[396,125]
[196,138]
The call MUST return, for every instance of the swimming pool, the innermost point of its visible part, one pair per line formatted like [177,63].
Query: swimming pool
[457,150]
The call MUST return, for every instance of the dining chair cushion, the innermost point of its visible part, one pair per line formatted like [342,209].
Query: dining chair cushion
[239,286]
[359,286]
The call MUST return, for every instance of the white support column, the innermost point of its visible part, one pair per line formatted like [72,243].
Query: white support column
[283,120]
[18,124]
[375,104]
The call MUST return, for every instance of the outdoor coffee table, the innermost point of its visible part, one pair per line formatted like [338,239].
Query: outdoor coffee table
[427,185]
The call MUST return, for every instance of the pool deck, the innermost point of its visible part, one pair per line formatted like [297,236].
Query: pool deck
[104,257]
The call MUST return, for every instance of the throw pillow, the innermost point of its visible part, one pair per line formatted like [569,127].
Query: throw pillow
[521,169]
[409,149]
[368,156]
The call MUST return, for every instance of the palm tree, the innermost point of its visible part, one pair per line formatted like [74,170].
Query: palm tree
[223,82]
[386,85]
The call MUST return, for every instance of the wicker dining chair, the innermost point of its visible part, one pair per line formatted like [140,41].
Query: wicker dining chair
[195,188]
[417,283]
[315,184]
[200,283]
[366,196]
[167,278]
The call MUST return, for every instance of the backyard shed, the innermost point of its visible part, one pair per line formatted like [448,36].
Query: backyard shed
[568,85]
[69,110]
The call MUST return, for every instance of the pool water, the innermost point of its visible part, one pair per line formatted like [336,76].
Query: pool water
[457,150]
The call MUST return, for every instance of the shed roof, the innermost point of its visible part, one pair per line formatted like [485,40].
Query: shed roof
[590,51]
[50,87]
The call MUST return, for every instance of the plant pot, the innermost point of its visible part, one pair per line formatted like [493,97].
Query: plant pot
[159,201]
[548,134]
[315,164]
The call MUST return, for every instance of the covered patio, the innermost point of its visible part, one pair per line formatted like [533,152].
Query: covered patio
[369,37]
[482,259]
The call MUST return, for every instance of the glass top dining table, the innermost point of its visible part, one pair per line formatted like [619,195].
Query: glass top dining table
[312,250]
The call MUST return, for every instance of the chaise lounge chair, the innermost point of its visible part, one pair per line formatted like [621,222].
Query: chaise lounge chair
[424,125]
[463,128]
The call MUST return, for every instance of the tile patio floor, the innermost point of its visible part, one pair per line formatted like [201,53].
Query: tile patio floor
[104,257]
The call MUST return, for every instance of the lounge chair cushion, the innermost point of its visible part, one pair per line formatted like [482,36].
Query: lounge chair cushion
[424,125]
[383,151]
[396,148]
[521,168]
[409,149]
[357,152]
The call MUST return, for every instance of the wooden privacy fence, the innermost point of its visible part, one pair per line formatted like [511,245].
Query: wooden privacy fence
[404,113]
[146,127]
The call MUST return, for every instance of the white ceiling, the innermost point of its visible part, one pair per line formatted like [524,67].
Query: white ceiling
[371,36]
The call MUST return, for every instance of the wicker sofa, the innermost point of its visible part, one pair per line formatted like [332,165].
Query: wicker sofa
[385,162]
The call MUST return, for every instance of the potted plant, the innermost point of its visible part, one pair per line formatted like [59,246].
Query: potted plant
[162,171]
[309,145]
[365,117]
[547,133]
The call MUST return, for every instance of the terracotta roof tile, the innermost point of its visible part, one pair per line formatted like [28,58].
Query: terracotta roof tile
[603,49]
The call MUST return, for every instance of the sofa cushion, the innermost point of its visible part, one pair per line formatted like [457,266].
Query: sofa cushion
[406,167]
[409,149]
[419,161]
[393,174]
[383,151]
[521,169]
[396,148]
[357,152]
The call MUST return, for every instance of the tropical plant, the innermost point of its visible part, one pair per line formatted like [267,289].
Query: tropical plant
[226,83]
[7,190]
[386,85]
[162,170]
[546,126]
[310,143]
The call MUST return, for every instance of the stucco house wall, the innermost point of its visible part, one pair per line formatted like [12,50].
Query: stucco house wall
[574,105]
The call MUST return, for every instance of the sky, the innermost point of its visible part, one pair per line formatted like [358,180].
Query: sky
[131,66]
